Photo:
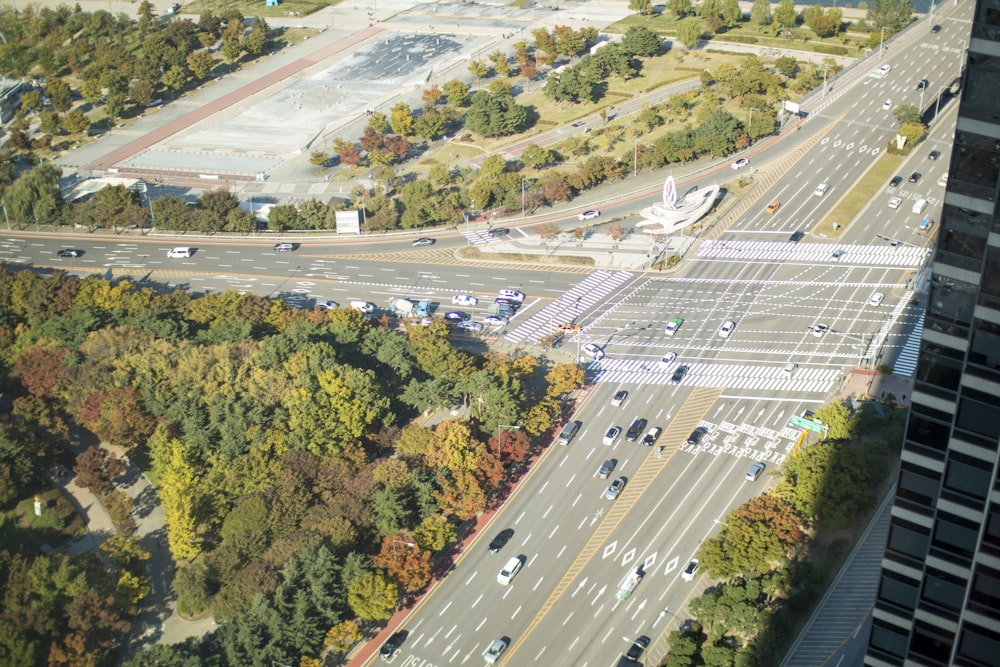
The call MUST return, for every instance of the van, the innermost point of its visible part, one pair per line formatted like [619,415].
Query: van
[511,294]
[569,432]
[789,369]
[179,252]
[919,205]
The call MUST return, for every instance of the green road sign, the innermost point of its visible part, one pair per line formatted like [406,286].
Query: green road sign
[805,423]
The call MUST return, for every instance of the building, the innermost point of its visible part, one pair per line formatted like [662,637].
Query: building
[10,97]
[938,600]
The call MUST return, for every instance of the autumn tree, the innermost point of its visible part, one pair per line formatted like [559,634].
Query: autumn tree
[117,416]
[404,561]
[372,596]
[563,379]
[343,636]
[96,468]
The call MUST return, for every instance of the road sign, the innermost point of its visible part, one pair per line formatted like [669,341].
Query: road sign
[805,423]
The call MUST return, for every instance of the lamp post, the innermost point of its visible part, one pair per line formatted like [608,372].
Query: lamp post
[522,197]
[275,663]
[404,542]
[922,89]
[500,427]
[750,121]
[881,49]
[635,158]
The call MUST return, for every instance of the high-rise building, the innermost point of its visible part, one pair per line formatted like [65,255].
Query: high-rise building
[938,599]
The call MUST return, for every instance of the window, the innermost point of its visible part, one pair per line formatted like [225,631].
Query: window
[978,418]
[898,590]
[943,591]
[991,538]
[927,432]
[977,646]
[908,540]
[985,591]
[889,639]
[968,477]
[955,536]
[932,643]
[917,485]
[939,371]
[985,348]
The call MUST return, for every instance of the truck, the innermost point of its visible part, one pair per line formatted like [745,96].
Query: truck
[629,584]
[423,309]
[402,307]
[673,325]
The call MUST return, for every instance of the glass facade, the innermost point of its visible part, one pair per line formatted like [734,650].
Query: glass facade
[938,600]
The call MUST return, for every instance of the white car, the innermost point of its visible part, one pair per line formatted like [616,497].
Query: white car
[326,305]
[284,247]
[589,215]
[876,299]
[821,189]
[690,570]
[667,359]
[612,435]
[511,294]
[885,69]
[365,307]
[943,180]
[726,328]
[471,326]
[894,202]
[509,571]
[886,105]
[494,651]
[739,164]
[594,350]
[464,300]
[181,252]
[820,329]
[495,321]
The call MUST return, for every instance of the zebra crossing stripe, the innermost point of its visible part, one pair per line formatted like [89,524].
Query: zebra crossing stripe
[909,354]
[811,252]
[736,376]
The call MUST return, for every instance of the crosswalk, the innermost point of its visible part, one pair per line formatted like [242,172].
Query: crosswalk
[588,292]
[482,237]
[813,253]
[906,362]
[733,376]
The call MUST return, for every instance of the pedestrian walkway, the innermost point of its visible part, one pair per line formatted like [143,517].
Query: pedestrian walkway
[482,237]
[812,253]
[905,363]
[588,292]
[736,376]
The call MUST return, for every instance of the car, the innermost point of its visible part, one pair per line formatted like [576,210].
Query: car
[876,299]
[504,301]
[179,252]
[510,570]
[589,215]
[652,436]
[921,84]
[612,435]
[772,207]
[419,243]
[455,316]
[673,325]
[821,189]
[495,321]
[471,326]
[594,350]
[925,225]
[69,252]
[886,105]
[615,488]
[678,375]
[935,28]
[755,471]
[885,69]
[690,570]
[326,305]
[635,430]
[607,468]
[637,648]
[914,177]
[726,329]
[619,398]
[895,182]
[933,155]
[796,236]
[511,294]
[392,644]
[501,539]
[819,329]
[365,307]
[498,232]
[284,247]
[667,359]
[464,300]
[838,253]
[943,180]
[504,310]
[894,202]
[697,435]
[495,650]
[739,164]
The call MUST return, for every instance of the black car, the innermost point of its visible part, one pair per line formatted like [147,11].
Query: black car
[422,242]
[697,435]
[499,231]
[935,28]
[921,84]
[914,177]
[393,643]
[635,651]
[895,182]
[69,252]
[796,236]
[635,430]
[502,538]
[933,155]
[678,375]
[501,301]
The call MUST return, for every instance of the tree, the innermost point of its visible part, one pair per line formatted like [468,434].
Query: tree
[785,14]
[75,122]
[175,78]
[49,122]
[96,468]
[906,113]
[537,157]
[372,596]
[59,94]
[256,40]
[893,15]
[431,96]
[836,417]
[644,7]
[201,64]
[343,636]
[760,12]
[569,42]
[457,93]
[283,217]
[479,68]
[493,115]
[404,561]
[117,416]
[563,379]
[679,8]
[689,31]
[640,41]
[548,231]
[401,119]
[434,533]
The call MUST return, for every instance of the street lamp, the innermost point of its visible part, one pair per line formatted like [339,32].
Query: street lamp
[512,427]
[522,196]
[750,121]
[881,50]
[635,158]
[395,541]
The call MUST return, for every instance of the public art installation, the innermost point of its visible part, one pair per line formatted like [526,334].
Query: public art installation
[674,214]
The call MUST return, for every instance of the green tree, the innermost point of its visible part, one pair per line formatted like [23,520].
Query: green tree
[494,115]
[760,12]
[401,120]
[255,43]
[537,157]
[75,122]
[372,596]
[201,64]
[836,417]
[689,31]
[175,78]
[479,68]
[785,14]
[434,533]
[679,8]
[283,217]
[457,93]
[59,94]
[640,41]
[141,91]
[906,113]
[893,15]
[49,122]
